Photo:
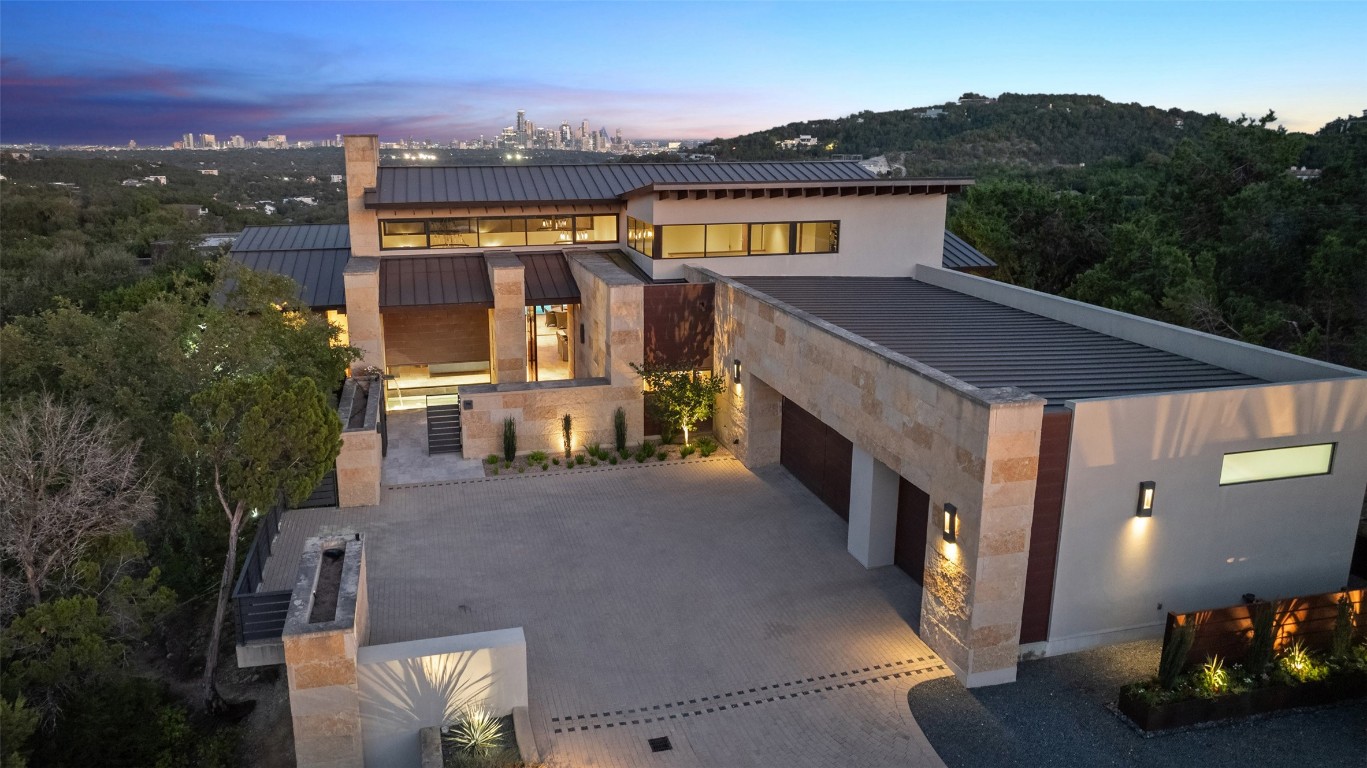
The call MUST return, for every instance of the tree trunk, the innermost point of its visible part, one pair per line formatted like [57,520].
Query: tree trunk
[685,429]
[212,701]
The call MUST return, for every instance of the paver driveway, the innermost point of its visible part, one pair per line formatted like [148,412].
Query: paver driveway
[698,601]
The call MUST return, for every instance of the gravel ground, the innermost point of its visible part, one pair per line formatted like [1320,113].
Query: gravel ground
[1056,715]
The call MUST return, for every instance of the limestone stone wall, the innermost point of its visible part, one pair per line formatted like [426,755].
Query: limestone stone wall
[538,407]
[508,321]
[320,660]
[976,449]
[365,328]
[362,168]
[359,462]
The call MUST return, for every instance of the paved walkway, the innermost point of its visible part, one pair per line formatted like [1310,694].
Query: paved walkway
[696,601]
[406,460]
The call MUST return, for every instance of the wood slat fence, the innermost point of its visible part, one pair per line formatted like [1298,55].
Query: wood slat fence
[1227,632]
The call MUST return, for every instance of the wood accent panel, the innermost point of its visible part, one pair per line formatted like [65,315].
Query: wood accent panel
[909,547]
[1055,431]
[679,325]
[1228,631]
[427,335]
[818,456]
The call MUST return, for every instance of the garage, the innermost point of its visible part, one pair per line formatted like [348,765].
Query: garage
[818,456]
[909,549]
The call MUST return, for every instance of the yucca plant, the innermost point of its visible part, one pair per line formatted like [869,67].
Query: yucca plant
[1214,678]
[1296,661]
[1175,651]
[479,731]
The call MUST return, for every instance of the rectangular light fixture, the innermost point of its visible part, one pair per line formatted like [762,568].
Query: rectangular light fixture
[951,522]
[1145,507]
[735,371]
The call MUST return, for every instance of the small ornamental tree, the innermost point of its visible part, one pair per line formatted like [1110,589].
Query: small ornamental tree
[680,397]
[260,438]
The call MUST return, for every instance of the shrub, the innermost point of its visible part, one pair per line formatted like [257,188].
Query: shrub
[555,462]
[686,451]
[544,466]
[1261,649]
[619,428]
[1175,654]
[662,455]
[612,460]
[509,438]
[566,427]
[595,451]
[593,462]
[668,432]
[1213,678]
[479,731]
[580,459]
[491,458]
[520,470]
[1342,643]
[624,453]
[1297,663]
[536,457]
[706,446]
[495,471]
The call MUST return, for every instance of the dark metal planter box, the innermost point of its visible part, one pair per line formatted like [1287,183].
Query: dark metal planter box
[1179,714]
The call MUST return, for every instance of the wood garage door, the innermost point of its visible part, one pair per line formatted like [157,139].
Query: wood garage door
[909,549]
[818,456]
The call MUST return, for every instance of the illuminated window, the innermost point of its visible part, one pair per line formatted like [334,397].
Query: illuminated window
[498,233]
[550,230]
[683,240]
[403,234]
[769,238]
[818,237]
[452,233]
[595,229]
[726,240]
[1277,464]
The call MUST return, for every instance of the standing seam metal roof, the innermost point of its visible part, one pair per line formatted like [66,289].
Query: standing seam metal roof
[990,345]
[401,185]
[960,255]
[547,278]
[420,281]
[313,255]
[294,237]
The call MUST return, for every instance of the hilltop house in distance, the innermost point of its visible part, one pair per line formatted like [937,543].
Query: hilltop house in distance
[1056,475]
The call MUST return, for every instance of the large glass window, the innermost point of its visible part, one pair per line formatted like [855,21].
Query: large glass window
[403,234]
[681,241]
[452,233]
[498,231]
[817,237]
[1277,464]
[641,236]
[769,238]
[726,240]
[550,230]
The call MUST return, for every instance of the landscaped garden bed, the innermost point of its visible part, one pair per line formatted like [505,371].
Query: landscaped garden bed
[481,740]
[1276,668]
[598,456]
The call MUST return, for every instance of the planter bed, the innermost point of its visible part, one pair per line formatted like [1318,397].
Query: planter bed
[580,460]
[1152,716]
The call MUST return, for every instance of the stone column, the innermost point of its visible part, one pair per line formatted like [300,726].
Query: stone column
[360,462]
[508,325]
[750,419]
[361,280]
[320,661]
[975,585]
[362,169]
[873,510]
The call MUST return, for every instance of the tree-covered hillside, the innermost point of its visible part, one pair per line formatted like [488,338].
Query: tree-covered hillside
[1015,130]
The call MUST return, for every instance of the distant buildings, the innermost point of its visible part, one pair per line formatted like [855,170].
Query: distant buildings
[800,142]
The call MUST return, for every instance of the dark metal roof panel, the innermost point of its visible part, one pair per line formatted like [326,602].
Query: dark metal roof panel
[547,277]
[294,238]
[318,272]
[419,281]
[422,185]
[960,255]
[990,345]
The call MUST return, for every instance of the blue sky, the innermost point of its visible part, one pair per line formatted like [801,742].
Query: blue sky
[110,72]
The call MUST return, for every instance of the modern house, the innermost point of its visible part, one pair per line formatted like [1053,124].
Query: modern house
[1056,475]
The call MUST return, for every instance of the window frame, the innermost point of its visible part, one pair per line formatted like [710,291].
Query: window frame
[1329,468]
[794,228]
[475,221]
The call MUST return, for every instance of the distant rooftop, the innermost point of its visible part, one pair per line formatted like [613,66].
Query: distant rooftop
[990,345]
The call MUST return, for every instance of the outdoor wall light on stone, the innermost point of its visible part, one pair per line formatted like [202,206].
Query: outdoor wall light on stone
[735,371]
[1145,506]
[951,523]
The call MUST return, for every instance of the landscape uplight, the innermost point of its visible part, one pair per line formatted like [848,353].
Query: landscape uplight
[1145,506]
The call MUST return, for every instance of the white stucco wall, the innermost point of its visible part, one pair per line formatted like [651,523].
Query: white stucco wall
[1205,545]
[405,687]
[879,235]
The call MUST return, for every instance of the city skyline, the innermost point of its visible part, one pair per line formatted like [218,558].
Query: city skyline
[108,73]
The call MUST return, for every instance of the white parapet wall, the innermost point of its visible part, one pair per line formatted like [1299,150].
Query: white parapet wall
[405,687]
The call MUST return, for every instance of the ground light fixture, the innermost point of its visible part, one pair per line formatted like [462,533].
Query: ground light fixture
[1145,506]
[735,371]
[951,522]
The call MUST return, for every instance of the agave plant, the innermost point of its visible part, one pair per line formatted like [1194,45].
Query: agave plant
[479,731]
[1214,678]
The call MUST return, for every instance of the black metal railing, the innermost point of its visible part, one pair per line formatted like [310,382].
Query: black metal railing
[260,615]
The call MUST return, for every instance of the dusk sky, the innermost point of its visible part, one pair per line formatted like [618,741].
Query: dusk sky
[110,72]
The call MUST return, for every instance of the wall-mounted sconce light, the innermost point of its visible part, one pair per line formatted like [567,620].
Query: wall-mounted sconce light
[951,522]
[735,371]
[1145,507]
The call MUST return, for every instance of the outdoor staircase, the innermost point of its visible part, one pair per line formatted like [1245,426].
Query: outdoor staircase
[443,428]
